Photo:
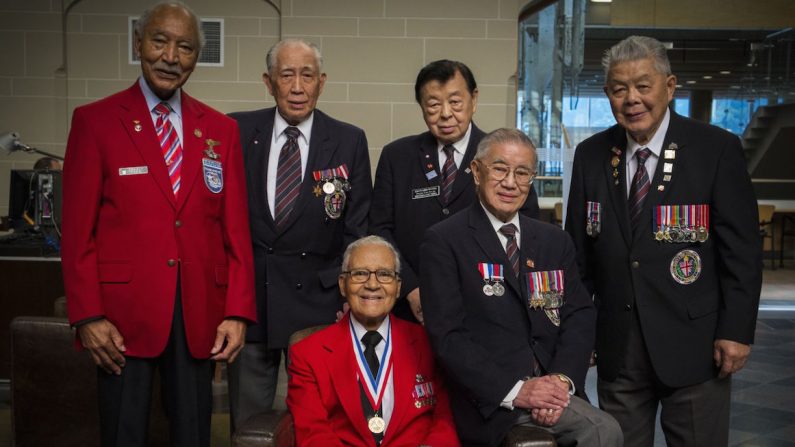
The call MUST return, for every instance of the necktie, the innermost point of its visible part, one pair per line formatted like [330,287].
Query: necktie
[169,143]
[371,340]
[511,247]
[288,176]
[449,170]
[640,187]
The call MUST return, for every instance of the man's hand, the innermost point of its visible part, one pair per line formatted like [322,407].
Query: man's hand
[105,344]
[546,417]
[341,313]
[414,302]
[730,356]
[229,340]
[545,392]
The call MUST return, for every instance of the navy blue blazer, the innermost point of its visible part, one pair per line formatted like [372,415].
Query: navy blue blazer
[627,272]
[296,267]
[487,343]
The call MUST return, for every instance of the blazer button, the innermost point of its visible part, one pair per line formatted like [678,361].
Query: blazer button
[299,286]
[635,264]
[178,223]
[303,255]
[270,250]
[171,262]
[628,307]
[445,211]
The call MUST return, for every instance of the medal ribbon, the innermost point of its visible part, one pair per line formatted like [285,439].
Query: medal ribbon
[340,171]
[374,386]
[491,271]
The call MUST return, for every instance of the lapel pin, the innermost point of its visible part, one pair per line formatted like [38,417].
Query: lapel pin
[668,168]
[197,132]
[427,156]
[137,125]
[531,264]
[660,187]
[670,154]
[616,150]
[429,166]
[673,146]
[616,182]
[667,178]
[467,170]
[209,152]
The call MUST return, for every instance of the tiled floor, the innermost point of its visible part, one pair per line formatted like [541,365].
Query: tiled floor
[763,395]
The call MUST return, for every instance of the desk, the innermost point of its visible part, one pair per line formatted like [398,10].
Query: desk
[28,286]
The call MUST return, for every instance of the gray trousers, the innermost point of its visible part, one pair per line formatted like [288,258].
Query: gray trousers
[581,424]
[696,415]
[252,377]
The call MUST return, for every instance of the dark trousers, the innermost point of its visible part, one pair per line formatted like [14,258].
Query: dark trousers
[186,383]
[253,379]
[696,415]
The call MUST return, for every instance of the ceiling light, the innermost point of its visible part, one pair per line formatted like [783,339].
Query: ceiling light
[690,82]
[678,85]
[735,87]
[725,72]
[707,77]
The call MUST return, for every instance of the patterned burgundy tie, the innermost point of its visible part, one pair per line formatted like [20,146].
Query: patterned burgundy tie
[511,247]
[640,187]
[449,171]
[169,143]
[288,176]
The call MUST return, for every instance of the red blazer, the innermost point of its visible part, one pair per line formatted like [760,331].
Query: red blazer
[126,237]
[324,397]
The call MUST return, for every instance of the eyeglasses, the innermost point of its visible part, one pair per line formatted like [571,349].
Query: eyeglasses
[499,172]
[383,276]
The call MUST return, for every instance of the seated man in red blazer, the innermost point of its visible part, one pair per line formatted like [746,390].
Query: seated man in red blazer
[370,379]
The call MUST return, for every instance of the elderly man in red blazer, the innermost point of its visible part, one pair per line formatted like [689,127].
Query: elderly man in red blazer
[370,379]
[156,247]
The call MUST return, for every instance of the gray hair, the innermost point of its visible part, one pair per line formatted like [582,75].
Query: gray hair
[273,53]
[502,136]
[146,17]
[369,240]
[635,48]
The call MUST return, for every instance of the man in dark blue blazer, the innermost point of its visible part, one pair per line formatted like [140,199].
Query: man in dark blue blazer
[507,315]
[309,191]
[664,219]
[409,193]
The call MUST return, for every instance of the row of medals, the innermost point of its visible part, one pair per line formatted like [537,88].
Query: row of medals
[549,300]
[496,289]
[330,186]
[682,234]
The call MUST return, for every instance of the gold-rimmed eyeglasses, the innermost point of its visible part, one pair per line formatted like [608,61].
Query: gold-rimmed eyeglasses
[384,276]
[499,172]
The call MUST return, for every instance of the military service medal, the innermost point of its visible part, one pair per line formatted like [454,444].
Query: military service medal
[681,223]
[334,184]
[209,152]
[492,275]
[686,267]
[593,222]
[545,290]
[423,393]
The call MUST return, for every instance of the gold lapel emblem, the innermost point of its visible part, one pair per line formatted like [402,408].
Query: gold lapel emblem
[197,132]
[531,264]
[137,125]
[209,152]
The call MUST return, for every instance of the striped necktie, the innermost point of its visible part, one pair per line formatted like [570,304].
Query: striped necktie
[640,187]
[288,176]
[169,143]
[511,247]
[449,171]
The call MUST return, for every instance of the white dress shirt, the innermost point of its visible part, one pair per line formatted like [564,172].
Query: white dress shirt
[655,145]
[388,401]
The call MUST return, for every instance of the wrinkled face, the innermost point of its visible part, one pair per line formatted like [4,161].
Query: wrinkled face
[372,300]
[295,83]
[448,108]
[168,49]
[639,96]
[503,198]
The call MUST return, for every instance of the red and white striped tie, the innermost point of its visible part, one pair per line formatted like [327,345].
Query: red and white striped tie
[640,187]
[169,143]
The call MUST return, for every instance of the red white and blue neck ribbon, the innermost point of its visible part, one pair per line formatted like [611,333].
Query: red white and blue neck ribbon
[373,386]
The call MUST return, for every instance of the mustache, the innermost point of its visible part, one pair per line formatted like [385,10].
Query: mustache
[174,69]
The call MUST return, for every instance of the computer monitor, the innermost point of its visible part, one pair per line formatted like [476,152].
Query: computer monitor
[37,193]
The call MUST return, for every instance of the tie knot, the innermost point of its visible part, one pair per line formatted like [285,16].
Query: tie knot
[448,150]
[508,230]
[292,133]
[371,339]
[642,155]
[162,109]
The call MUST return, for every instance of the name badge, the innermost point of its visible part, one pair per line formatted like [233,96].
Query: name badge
[424,193]
[134,170]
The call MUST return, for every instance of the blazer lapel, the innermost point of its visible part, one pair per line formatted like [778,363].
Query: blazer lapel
[617,185]
[404,370]
[263,135]
[488,241]
[192,147]
[527,254]
[429,163]
[134,114]
[464,177]
[342,369]
[673,142]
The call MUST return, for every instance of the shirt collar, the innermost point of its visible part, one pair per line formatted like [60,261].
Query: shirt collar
[304,126]
[497,223]
[175,102]
[656,142]
[460,145]
[360,330]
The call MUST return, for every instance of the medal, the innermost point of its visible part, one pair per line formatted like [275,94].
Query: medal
[376,425]
[492,275]
[329,188]
[498,289]
[137,125]
[686,267]
[334,203]
[594,218]
[588,229]
[197,133]
[545,291]
[488,290]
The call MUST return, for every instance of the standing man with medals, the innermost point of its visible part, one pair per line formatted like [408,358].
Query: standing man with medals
[156,246]
[664,219]
[309,190]
[423,179]
[370,379]
[506,313]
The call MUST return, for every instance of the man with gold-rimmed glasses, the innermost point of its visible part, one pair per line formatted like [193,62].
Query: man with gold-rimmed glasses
[505,310]
[369,378]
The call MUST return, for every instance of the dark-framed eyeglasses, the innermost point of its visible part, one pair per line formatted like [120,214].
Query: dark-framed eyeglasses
[499,172]
[383,276]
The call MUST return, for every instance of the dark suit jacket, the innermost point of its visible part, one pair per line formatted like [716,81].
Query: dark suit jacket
[296,267]
[126,239]
[679,322]
[324,396]
[487,343]
[402,219]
